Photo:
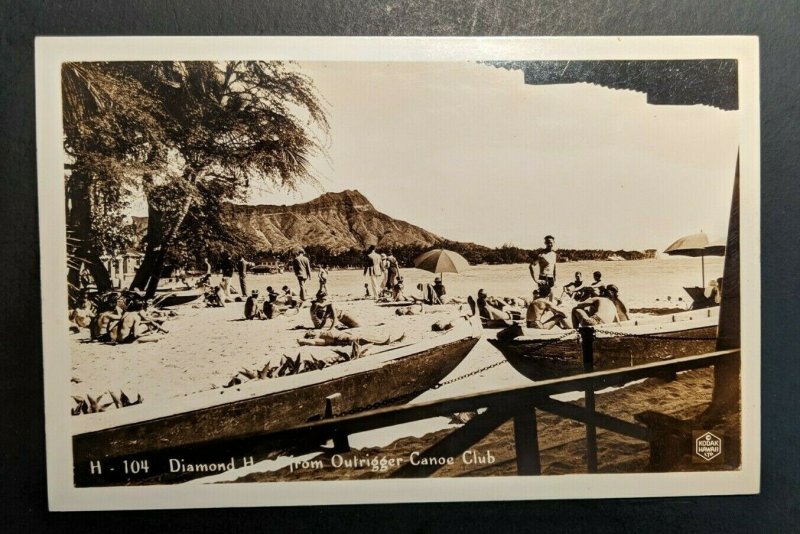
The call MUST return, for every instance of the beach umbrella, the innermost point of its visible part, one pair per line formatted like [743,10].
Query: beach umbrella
[696,245]
[440,261]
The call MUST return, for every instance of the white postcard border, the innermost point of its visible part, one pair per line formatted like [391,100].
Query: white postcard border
[52,51]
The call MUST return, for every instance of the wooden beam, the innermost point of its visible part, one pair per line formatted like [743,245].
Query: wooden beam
[581,414]
[526,440]
[452,445]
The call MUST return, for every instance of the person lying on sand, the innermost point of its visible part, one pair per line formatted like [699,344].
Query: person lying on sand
[322,310]
[324,338]
[541,305]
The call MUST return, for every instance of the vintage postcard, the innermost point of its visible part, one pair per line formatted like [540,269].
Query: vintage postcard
[302,271]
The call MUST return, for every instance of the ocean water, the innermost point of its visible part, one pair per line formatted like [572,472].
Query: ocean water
[642,283]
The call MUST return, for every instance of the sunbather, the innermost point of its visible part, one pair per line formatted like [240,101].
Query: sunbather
[323,338]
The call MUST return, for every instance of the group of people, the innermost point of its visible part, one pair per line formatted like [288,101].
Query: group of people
[119,321]
[594,303]
[383,275]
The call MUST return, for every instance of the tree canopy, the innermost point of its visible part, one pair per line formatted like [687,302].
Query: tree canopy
[186,136]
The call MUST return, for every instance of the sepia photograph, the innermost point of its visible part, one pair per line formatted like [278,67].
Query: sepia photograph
[379,264]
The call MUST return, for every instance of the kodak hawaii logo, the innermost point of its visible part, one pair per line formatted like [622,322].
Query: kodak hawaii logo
[708,446]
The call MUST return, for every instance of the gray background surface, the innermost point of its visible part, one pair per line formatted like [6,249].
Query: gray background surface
[23,502]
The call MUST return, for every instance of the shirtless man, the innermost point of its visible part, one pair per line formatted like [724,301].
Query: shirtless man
[487,310]
[539,306]
[129,328]
[105,321]
[251,307]
[82,315]
[546,264]
[575,285]
[322,310]
[593,310]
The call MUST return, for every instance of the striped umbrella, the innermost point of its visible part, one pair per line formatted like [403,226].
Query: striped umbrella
[440,261]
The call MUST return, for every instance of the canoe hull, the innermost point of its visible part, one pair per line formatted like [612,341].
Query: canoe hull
[215,433]
[544,356]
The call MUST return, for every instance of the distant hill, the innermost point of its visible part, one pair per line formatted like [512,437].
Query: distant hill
[335,228]
[335,221]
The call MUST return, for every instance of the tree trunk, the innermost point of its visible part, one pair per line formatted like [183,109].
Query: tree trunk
[159,240]
[154,240]
[81,250]
[158,264]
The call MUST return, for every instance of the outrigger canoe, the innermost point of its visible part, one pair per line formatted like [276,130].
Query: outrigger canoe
[539,354]
[212,426]
[178,298]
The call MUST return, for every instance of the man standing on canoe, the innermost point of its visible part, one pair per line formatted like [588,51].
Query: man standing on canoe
[546,262]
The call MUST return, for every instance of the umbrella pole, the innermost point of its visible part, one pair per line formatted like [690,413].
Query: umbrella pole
[703,264]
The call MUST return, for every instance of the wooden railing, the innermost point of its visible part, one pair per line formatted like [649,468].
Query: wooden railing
[497,407]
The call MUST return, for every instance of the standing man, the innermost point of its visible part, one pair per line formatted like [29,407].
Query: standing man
[227,273]
[302,270]
[373,270]
[241,268]
[546,262]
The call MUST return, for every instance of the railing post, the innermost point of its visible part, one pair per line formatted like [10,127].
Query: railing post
[333,407]
[526,441]
[587,346]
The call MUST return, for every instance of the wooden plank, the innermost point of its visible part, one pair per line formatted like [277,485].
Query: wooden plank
[580,414]
[452,445]
[526,440]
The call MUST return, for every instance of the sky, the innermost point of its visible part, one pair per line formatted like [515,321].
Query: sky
[470,152]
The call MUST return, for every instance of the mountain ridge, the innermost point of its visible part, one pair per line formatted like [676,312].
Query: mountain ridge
[334,220]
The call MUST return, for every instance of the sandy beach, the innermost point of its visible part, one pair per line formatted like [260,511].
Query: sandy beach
[206,347]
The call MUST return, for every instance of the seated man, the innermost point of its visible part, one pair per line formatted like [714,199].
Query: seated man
[83,314]
[397,289]
[215,297]
[489,311]
[713,293]
[288,297]
[611,293]
[597,283]
[251,307]
[429,295]
[272,295]
[438,287]
[322,310]
[576,284]
[136,324]
[592,310]
[105,321]
[541,305]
